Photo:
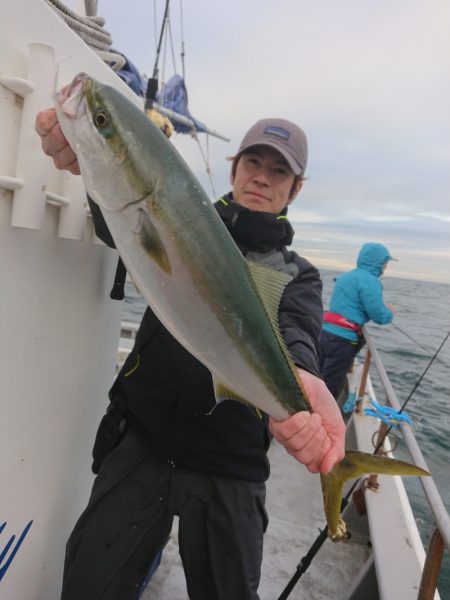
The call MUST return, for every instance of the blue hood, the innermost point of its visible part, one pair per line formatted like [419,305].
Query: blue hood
[372,257]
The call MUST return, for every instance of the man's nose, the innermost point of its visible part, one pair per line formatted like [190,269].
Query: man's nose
[262,177]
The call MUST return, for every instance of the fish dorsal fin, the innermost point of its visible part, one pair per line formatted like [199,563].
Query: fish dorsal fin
[270,285]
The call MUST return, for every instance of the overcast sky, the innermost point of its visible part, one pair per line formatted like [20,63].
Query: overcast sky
[369,83]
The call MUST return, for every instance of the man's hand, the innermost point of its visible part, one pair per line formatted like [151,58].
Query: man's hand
[54,144]
[315,439]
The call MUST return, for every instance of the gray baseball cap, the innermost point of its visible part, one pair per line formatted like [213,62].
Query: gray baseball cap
[284,136]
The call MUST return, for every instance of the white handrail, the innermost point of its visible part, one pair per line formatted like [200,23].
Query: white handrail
[440,514]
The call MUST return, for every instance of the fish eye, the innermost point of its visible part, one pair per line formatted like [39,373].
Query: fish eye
[101,118]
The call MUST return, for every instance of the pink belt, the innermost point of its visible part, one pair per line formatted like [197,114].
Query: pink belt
[335,319]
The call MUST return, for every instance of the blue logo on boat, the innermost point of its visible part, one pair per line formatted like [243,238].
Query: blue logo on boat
[278,131]
[5,560]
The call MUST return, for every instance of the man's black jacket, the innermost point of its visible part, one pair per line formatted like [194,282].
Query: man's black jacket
[169,393]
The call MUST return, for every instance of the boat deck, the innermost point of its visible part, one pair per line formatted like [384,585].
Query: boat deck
[294,504]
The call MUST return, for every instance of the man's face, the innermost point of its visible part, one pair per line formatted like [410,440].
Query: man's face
[263,180]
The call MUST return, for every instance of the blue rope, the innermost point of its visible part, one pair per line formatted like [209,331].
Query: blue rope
[350,403]
[387,414]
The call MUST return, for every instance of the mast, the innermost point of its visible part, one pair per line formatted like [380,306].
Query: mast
[152,86]
[90,7]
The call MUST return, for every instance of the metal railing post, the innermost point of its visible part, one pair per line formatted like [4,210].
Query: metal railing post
[363,382]
[432,567]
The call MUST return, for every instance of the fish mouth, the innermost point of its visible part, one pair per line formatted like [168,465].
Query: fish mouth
[70,98]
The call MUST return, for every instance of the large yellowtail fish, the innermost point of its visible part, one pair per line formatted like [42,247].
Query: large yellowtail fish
[220,307]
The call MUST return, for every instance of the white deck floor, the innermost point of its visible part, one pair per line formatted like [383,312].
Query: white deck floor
[295,510]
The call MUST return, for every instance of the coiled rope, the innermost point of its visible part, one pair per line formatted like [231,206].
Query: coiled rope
[90,29]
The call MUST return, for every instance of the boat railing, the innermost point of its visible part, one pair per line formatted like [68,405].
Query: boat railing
[440,537]
[128,330]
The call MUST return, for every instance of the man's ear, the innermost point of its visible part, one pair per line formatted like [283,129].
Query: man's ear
[295,191]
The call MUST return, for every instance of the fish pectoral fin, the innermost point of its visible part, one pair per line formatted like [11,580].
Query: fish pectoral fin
[223,392]
[151,242]
[353,466]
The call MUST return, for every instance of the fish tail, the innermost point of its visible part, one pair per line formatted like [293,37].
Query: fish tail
[354,465]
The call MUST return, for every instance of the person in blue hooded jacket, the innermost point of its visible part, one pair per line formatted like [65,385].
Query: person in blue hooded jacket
[357,298]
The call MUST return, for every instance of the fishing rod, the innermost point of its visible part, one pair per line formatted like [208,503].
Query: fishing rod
[416,385]
[152,83]
[161,35]
[323,534]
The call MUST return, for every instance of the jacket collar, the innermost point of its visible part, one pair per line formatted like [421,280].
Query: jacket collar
[252,230]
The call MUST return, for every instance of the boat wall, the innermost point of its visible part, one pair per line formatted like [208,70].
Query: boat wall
[59,328]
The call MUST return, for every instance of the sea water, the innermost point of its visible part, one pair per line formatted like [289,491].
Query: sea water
[406,347]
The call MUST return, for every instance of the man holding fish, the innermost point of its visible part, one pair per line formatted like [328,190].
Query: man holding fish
[165,447]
